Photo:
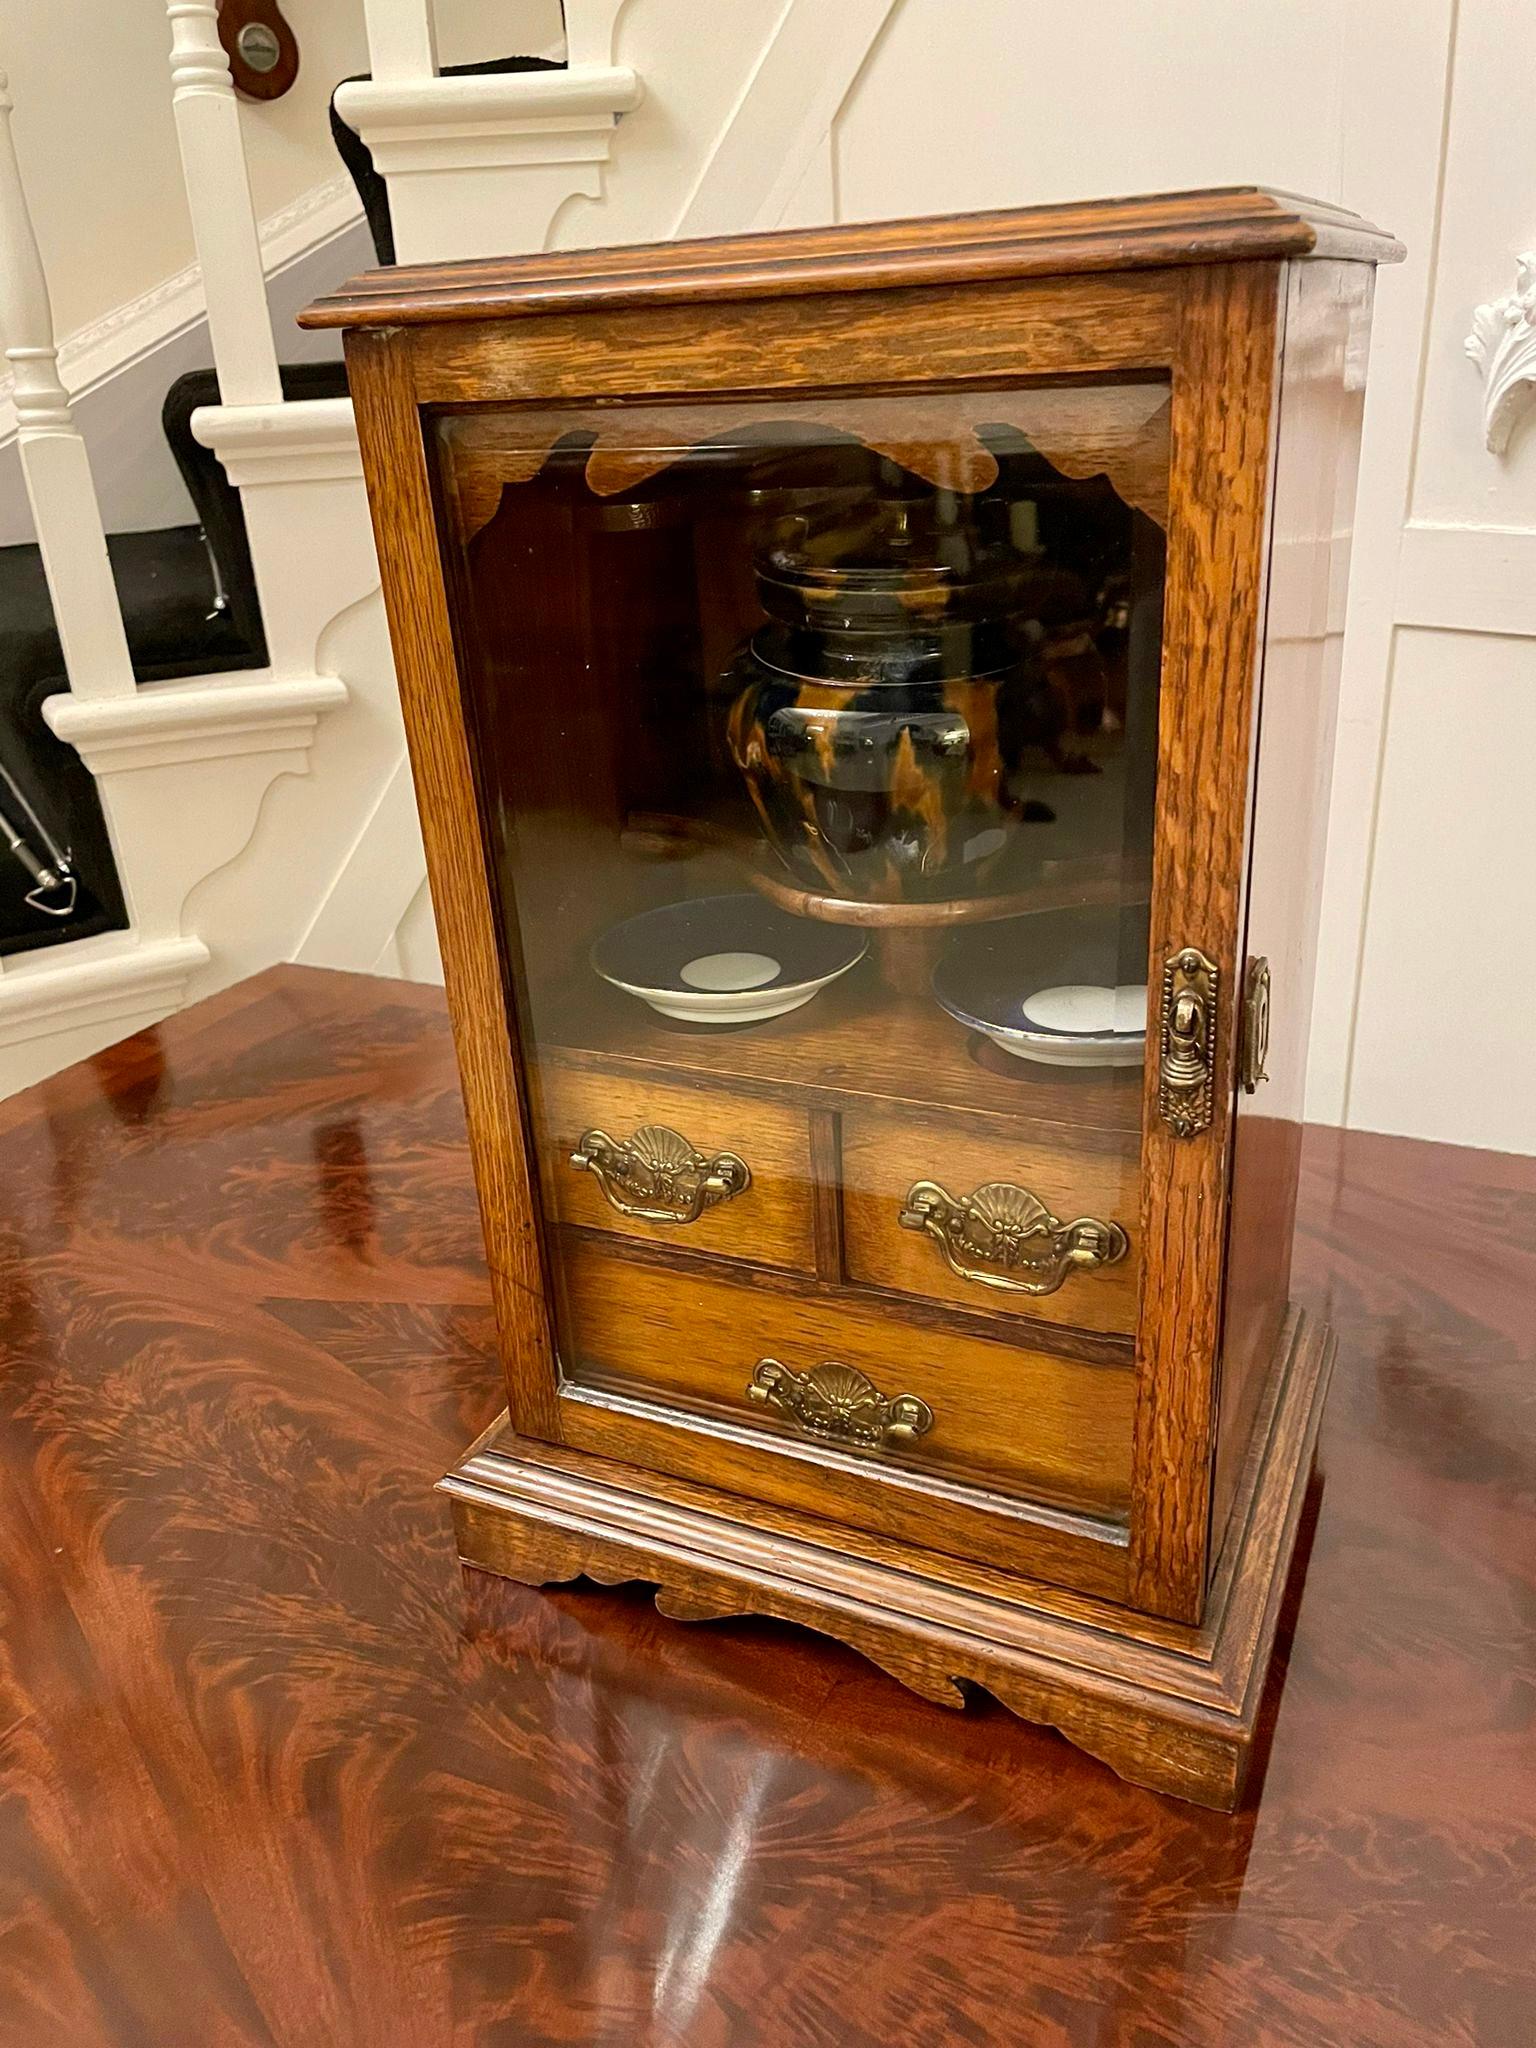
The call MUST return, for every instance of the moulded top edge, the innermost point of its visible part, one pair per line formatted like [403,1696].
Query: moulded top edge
[1159,230]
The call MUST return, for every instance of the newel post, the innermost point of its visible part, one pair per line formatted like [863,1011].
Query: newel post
[54,463]
[219,197]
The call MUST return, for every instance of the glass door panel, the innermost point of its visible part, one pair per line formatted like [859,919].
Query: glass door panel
[818,745]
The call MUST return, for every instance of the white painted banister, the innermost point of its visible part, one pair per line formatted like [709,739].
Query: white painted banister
[53,458]
[219,196]
[402,40]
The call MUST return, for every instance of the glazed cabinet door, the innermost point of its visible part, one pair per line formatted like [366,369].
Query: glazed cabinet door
[862,978]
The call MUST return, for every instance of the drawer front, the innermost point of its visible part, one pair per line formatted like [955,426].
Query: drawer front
[981,1411]
[746,1193]
[955,1213]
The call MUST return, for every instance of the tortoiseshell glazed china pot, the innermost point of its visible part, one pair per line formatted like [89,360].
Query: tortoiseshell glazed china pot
[883,704]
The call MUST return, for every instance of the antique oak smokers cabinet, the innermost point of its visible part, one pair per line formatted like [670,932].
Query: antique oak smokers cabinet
[870,693]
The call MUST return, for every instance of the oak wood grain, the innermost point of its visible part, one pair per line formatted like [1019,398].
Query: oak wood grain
[912,1311]
[1092,325]
[772,1222]
[1118,430]
[400,501]
[885,1155]
[826,1195]
[689,1333]
[1219,225]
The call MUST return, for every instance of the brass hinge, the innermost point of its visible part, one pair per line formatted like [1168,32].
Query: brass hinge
[1255,1047]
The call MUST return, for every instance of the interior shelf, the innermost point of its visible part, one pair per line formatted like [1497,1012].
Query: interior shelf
[857,1042]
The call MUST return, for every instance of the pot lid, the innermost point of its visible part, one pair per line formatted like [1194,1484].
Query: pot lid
[899,569]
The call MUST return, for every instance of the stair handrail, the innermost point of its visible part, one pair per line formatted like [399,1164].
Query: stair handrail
[54,463]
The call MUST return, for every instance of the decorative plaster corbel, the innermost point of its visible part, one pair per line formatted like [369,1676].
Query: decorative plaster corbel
[1503,345]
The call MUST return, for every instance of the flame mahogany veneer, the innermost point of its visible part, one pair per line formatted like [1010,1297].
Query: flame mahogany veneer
[261,1787]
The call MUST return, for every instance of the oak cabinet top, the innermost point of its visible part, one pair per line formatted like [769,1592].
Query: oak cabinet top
[1225,224]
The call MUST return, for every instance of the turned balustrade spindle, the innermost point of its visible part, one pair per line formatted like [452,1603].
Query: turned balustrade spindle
[54,462]
[219,198]
[402,43]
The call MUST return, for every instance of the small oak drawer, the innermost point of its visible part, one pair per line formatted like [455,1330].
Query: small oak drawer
[954,1213]
[981,1411]
[691,1168]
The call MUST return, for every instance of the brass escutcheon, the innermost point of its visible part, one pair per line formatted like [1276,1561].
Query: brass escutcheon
[840,1404]
[1003,1236]
[1186,1074]
[657,1176]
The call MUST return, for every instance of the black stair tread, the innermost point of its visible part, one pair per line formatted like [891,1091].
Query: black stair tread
[166,589]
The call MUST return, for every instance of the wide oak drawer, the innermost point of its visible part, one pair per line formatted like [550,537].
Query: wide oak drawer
[982,1410]
[961,1212]
[666,1164]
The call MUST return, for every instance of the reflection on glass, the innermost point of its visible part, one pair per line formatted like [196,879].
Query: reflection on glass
[818,750]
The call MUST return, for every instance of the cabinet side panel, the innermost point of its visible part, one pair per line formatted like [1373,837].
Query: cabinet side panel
[400,499]
[1322,391]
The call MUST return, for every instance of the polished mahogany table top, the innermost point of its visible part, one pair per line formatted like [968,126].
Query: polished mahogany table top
[263,1782]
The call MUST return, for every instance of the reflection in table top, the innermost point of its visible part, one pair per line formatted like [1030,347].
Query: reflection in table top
[261,1785]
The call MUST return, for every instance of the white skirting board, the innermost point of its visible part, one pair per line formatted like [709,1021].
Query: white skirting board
[62,1006]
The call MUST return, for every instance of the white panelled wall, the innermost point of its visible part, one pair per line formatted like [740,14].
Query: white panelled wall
[676,119]
[1447,987]
[1412,114]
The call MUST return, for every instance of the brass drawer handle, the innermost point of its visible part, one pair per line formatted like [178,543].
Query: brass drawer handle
[839,1404]
[1003,1236]
[657,1176]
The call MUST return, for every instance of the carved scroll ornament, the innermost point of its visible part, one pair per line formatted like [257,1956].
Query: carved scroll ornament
[1503,346]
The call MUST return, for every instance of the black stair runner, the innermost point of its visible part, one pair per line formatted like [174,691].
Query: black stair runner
[189,608]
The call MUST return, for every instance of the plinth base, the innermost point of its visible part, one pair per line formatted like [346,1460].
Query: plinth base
[1169,1707]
